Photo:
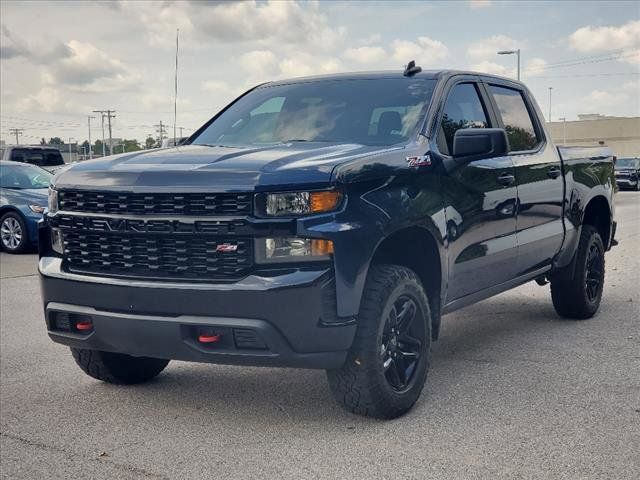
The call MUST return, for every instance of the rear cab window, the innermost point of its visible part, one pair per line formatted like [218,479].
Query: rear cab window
[516,118]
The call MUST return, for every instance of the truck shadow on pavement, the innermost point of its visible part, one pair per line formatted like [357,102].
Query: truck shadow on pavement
[491,332]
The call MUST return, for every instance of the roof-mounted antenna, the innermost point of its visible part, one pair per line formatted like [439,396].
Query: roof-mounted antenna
[411,69]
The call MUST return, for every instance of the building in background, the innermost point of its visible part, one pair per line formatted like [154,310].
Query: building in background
[622,134]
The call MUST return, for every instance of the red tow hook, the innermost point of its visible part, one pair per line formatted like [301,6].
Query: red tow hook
[83,326]
[209,338]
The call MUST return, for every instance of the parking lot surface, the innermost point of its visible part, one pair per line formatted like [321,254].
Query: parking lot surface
[514,392]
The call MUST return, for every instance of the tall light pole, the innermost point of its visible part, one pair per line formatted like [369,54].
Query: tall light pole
[512,52]
[549,119]
[564,130]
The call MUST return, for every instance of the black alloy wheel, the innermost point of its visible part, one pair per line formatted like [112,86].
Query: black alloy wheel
[401,345]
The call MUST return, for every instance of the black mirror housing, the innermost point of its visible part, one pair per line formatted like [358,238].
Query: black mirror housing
[478,143]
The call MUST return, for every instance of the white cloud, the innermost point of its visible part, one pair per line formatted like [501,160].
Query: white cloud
[89,69]
[302,65]
[425,51]
[365,55]
[259,64]
[272,22]
[489,47]
[591,39]
[487,66]
[535,66]
[479,3]
[599,99]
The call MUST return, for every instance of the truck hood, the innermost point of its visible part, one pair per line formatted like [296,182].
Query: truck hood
[217,168]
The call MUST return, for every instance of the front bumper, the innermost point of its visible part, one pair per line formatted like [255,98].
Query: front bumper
[626,181]
[286,320]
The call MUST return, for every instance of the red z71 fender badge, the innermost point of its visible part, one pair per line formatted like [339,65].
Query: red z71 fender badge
[415,162]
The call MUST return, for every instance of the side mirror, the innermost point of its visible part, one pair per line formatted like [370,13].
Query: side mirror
[477,143]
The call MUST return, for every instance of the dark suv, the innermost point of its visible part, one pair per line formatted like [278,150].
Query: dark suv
[46,157]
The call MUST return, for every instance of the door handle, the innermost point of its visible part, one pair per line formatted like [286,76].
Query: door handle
[506,179]
[554,172]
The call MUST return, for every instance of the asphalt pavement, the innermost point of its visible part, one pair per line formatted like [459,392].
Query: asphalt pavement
[514,392]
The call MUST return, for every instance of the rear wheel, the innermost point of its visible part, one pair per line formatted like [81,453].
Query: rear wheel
[13,233]
[118,368]
[386,367]
[576,290]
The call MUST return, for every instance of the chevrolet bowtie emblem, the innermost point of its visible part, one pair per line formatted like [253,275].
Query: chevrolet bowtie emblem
[226,247]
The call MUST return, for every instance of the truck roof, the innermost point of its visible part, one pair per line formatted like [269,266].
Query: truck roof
[429,74]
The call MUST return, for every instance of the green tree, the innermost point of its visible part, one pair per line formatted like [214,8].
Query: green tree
[150,142]
[43,141]
[131,145]
[56,141]
[97,148]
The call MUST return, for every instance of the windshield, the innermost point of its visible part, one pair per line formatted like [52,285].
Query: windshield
[368,111]
[628,163]
[23,176]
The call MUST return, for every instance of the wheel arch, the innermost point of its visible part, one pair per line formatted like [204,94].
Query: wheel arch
[417,249]
[597,213]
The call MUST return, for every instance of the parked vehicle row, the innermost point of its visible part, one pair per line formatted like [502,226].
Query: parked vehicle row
[23,200]
[48,158]
[628,173]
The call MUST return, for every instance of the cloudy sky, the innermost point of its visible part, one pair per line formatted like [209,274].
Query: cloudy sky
[61,60]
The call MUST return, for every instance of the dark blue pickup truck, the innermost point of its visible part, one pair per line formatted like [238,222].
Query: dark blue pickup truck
[326,222]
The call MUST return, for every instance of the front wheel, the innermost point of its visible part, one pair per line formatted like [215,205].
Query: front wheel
[386,367]
[118,368]
[576,290]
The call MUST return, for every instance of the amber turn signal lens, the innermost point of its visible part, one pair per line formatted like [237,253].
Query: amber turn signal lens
[321,247]
[324,201]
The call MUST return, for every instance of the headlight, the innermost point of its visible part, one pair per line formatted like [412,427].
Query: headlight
[299,203]
[277,250]
[53,201]
[36,208]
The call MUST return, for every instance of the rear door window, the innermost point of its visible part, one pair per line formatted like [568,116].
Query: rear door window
[516,118]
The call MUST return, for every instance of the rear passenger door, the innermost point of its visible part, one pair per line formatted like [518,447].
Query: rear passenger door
[480,199]
[538,175]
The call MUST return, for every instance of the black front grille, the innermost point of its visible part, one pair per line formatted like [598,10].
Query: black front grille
[186,204]
[156,256]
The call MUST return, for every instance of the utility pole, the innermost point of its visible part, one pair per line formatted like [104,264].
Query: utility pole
[549,119]
[109,114]
[161,131]
[70,138]
[180,131]
[89,117]
[16,132]
[109,117]
[564,130]
[101,112]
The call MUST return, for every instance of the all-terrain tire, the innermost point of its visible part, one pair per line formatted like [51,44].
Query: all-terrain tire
[360,385]
[570,287]
[118,368]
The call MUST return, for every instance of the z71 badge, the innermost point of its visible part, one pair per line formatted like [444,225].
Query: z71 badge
[419,161]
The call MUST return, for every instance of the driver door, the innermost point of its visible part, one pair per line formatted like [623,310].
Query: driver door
[480,200]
